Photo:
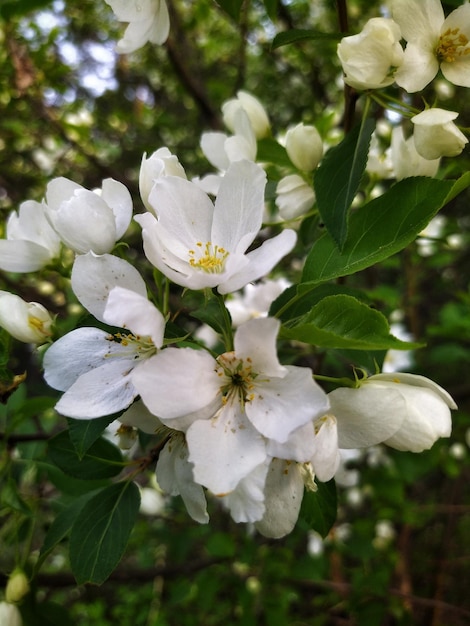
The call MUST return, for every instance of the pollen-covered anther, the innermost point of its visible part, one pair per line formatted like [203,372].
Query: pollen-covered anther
[208,257]
[452,44]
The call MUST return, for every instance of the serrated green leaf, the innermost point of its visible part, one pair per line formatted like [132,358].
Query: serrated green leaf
[100,534]
[319,508]
[102,459]
[232,7]
[337,179]
[84,433]
[381,228]
[341,321]
[297,34]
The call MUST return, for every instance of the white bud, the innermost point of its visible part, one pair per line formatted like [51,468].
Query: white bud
[304,147]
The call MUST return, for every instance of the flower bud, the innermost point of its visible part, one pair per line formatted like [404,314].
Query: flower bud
[254,109]
[370,58]
[406,159]
[26,321]
[17,586]
[10,615]
[294,197]
[161,163]
[304,147]
[436,135]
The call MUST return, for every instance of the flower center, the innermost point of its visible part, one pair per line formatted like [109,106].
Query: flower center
[138,347]
[239,377]
[207,257]
[452,45]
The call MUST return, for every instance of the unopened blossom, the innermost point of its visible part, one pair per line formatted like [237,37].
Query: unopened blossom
[294,197]
[160,163]
[304,147]
[435,134]
[17,586]
[433,41]
[31,243]
[29,322]
[199,244]
[404,411]
[406,160]
[87,220]
[10,615]
[371,58]
[257,115]
[148,21]
[93,367]
[233,407]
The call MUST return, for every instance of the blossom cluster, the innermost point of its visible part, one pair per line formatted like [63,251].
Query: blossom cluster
[235,422]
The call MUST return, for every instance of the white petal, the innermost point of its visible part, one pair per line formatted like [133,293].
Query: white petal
[367,415]
[77,352]
[102,391]
[138,416]
[94,276]
[283,494]
[29,322]
[128,309]
[131,10]
[239,205]
[326,457]
[31,224]
[60,190]
[224,449]
[419,20]
[22,256]
[161,24]
[299,447]
[213,147]
[246,502]
[281,405]
[135,36]
[419,67]
[177,382]
[416,380]
[117,196]
[175,476]
[256,340]
[261,261]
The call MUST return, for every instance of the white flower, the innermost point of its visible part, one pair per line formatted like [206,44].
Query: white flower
[304,147]
[255,300]
[31,241]
[436,135]
[254,109]
[379,161]
[161,163]
[10,615]
[92,366]
[85,220]
[232,407]
[26,321]
[404,411]
[432,41]
[148,21]
[370,58]
[294,197]
[406,160]
[199,245]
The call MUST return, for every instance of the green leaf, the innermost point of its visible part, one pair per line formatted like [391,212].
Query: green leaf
[101,532]
[232,7]
[270,151]
[337,179]
[341,321]
[271,8]
[297,34]
[102,459]
[381,228]
[319,508]
[84,433]
[45,614]
[13,8]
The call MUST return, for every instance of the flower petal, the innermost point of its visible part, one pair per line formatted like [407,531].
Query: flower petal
[255,340]
[419,67]
[246,502]
[419,20]
[117,196]
[22,256]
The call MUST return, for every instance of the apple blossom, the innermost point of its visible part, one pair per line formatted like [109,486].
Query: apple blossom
[10,614]
[304,147]
[198,244]
[436,135]
[86,220]
[29,322]
[231,407]
[404,411]
[371,58]
[92,366]
[161,163]
[406,160]
[253,108]
[294,197]
[148,21]
[31,241]
[433,41]
[255,299]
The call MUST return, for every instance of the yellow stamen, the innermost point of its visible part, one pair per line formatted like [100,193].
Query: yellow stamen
[211,260]
[452,45]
